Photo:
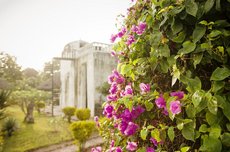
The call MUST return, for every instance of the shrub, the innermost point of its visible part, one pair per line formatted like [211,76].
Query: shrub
[83,114]
[171,91]
[9,126]
[82,130]
[69,112]
[39,105]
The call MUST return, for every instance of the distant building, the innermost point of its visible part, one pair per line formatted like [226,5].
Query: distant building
[84,67]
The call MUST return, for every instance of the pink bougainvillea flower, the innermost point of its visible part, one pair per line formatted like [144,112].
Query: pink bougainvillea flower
[150,149]
[178,94]
[144,88]
[108,111]
[112,143]
[122,126]
[165,111]
[132,146]
[131,129]
[118,78]
[141,28]
[175,107]
[130,40]
[113,89]
[137,111]
[115,149]
[122,32]
[113,38]
[160,102]
[118,149]
[111,97]
[113,53]
[111,79]
[154,141]
[128,90]
[126,115]
[134,28]
[97,149]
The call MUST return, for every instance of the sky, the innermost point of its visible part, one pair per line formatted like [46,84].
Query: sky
[34,31]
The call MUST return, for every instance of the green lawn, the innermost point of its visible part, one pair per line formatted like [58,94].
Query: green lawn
[45,131]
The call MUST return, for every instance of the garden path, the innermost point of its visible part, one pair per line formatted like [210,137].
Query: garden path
[69,146]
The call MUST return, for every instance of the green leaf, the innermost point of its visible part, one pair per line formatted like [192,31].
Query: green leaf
[221,101]
[191,7]
[188,131]
[143,149]
[211,118]
[217,85]
[226,110]
[206,46]
[126,69]
[128,103]
[188,47]
[190,111]
[150,127]
[164,51]
[225,138]
[171,133]
[175,74]
[222,23]
[214,33]
[215,131]
[197,58]
[208,5]
[148,105]
[144,133]
[211,144]
[198,33]
[156,135]
[228,126]
[220,74]
[193,84]
[184,149]
[176,26]
[180,37]
[213,106]
[164,66]
[197,97]
[218,6]
[203,128]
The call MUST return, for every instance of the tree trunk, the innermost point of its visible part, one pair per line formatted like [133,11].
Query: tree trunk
[29,118]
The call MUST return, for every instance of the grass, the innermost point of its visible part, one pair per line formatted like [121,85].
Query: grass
[45,131]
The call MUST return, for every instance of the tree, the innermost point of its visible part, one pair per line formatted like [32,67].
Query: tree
[171,91]
[4,96]
[26,100]
[9,69]
[30,72]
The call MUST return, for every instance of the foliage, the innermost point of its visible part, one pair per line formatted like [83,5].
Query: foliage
[4,95]
[33,136]
[83,114]
[9,126]
[40,105]
[26,100]
[103,89]
[9,70]
[82,130]
[69,112]
[172,91]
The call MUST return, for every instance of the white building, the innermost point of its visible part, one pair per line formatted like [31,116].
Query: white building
[84,67]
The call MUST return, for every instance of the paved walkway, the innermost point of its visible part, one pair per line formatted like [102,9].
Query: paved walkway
[70,146]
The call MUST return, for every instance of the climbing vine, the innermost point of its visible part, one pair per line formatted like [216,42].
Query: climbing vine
[171,89]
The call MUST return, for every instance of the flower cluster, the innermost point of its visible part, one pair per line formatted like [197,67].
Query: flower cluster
[120,34]
[136,29]
[175,106]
